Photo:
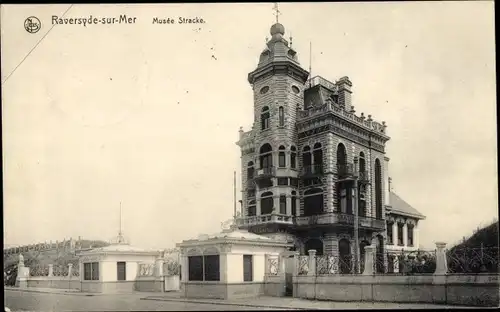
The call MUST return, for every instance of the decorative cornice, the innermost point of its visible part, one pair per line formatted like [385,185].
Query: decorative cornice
[280,66]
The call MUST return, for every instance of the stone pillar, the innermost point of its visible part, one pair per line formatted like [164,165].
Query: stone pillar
[257,205]
[330,184]
[296,256]
[70,269]
[395,233]
[288,205]
[51,270]
[441,261]
[224,267]
[159,267]
[369,260]
[416,240]
[22,273]
[276,203]
[405,234]
[266,268]
[311,270]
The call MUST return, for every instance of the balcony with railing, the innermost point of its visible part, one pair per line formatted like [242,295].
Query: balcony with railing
[363,177]
[266,172]
[273,218]
[346,172]
[312,170]
[341,219]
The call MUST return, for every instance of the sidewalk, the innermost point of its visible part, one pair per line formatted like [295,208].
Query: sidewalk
[74,292]
[260,302]
[296,303]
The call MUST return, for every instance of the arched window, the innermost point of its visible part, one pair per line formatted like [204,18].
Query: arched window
[341,154]
[378,189]
[362,162]
[313,202]
[314,244]
[252,208]
[293,157]
[266,156]
[250,170]
[281,157]
[264,118]
[306,157]
[281,116]
[294,203]
[344,256]
[318,158]
[283,204]
[266,203]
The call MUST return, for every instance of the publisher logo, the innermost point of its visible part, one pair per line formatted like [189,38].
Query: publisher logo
[32,24]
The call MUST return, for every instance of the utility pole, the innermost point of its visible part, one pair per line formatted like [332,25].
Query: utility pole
[356,217]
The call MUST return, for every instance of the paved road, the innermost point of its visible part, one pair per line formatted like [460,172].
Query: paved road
[32,301]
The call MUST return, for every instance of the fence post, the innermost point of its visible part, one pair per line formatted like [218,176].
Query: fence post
[312,262]
[296,263]
[70,269]
[441,261]
[369,257]
[159,267]
[267,269]
[51,270]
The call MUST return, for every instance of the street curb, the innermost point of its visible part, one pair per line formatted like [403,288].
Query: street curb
[70,293]
[227,303]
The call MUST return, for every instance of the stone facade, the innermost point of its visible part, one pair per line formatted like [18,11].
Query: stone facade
[290,155]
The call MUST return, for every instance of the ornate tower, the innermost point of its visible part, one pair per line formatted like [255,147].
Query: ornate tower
[312,169]
[269,150]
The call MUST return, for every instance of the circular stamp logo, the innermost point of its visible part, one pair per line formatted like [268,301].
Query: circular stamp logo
[32,24]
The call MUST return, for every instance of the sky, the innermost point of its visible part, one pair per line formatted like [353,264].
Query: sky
[147,115]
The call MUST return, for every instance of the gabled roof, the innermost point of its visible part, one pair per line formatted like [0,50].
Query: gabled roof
[399,207]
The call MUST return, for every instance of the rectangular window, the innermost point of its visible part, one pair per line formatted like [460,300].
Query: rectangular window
[281,113]
[195,268]
[212,268]
[282,181]
[294,206]
[282,160]
[121,271]
[410,236]
[91,271]
[389,234]
[343,201]
[294,182]
[282,204]
[293,160]
[247,268]
[252,211]
[400,234]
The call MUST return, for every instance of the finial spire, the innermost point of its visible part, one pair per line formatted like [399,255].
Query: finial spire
[276,11]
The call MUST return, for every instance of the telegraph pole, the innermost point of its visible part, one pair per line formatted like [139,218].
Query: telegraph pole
[356,217]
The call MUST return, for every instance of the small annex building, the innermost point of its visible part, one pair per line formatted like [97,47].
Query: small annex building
[227,265]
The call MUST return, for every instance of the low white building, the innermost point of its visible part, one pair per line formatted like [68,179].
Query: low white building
[230,264]
[114,268]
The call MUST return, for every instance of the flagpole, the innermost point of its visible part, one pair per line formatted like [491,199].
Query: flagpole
[234,188]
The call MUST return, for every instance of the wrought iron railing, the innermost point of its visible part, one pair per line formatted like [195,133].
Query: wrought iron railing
[264,172]
[273,266]
[473,260]
[345,171]
[39,270]
[312,170]
[146,269]
[409,262]
[303,265]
